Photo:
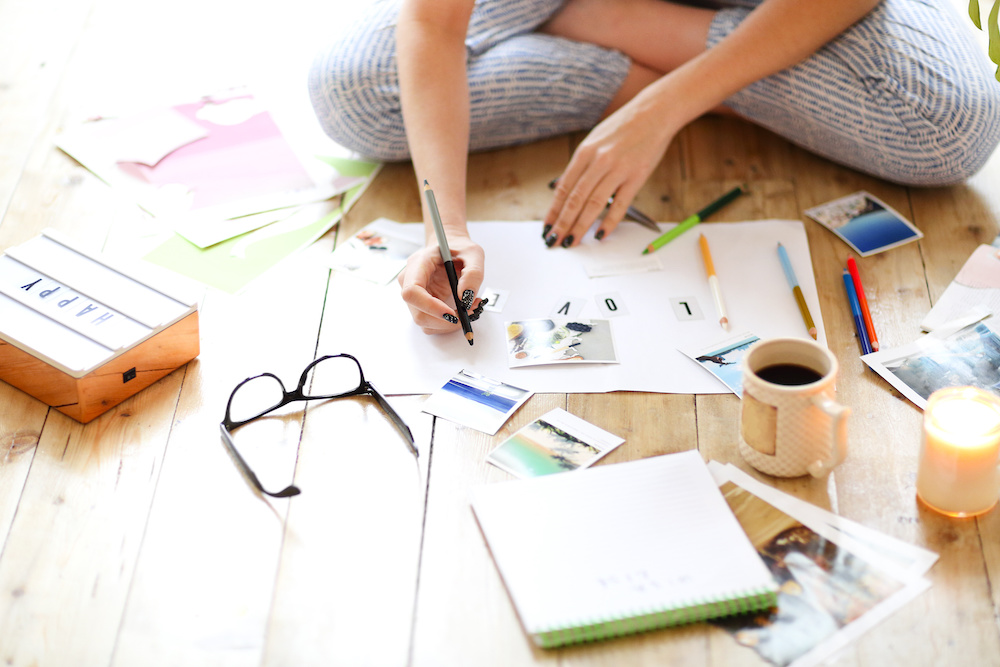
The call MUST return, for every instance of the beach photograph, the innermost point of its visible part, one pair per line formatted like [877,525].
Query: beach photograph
[557,442]
[476,401]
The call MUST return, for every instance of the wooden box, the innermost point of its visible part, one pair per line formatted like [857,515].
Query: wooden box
[83,335]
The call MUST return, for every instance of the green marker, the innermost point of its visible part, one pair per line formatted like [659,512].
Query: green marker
[693,220]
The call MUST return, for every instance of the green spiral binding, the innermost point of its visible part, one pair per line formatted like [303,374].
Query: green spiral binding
[588,630]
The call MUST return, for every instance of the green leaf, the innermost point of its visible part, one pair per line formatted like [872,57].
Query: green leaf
[994,32]
[992,29]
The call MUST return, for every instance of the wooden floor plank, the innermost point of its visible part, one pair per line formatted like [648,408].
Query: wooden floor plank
[719,415]
[354,536]
[463,613]
[718,148]
[876,484]
[726,152]
[36,48]
[78,529]
[21,420]
[89,486]
[347,584]
[204,583]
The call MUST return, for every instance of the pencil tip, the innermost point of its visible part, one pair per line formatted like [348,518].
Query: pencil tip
[875,347]
[812,332]
[645,251]
[725,323]
[426,184]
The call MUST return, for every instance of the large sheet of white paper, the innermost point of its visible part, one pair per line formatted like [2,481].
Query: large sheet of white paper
[664,309]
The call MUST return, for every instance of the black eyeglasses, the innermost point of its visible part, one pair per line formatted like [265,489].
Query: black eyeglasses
[332,376]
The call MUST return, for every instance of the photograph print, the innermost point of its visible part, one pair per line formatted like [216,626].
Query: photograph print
[560,340]
[556,442]
[865,223]
[969,357]
[823,588]
[724,359]
[374,254]
[476,401]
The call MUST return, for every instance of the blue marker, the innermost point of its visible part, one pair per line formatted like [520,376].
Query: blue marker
[859,320]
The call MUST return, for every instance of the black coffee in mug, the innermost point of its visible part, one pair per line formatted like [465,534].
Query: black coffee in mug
[788,374]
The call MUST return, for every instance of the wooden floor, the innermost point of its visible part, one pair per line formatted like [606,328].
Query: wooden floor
[133,540]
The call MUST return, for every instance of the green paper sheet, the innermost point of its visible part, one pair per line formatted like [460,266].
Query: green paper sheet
[233,264]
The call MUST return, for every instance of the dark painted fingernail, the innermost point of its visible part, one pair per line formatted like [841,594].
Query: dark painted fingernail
[568,241]
[467,297]
[550,240]
[552,183]
[599,235]
[546,230]
[450,318]
[478,311]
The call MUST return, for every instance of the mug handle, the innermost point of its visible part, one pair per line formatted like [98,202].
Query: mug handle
[838,416]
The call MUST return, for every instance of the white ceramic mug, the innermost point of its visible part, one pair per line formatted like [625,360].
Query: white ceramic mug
[791,425]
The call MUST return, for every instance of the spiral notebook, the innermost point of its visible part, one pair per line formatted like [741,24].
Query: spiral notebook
[620,549]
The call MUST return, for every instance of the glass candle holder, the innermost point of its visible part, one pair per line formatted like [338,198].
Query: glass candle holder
[960,452]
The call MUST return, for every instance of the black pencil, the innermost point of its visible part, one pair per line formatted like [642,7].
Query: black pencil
[449,265]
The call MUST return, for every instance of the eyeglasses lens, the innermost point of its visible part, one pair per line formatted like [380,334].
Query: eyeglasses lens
[255,397]
[332,377]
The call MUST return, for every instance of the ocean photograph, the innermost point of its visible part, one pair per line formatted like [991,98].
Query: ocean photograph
[542,449]
[876,230]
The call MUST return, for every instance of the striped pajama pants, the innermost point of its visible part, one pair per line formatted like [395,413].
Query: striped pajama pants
[905,94]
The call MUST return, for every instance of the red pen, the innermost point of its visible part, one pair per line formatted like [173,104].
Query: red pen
[852,266]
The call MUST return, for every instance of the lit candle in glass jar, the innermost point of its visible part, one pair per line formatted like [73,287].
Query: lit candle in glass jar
[960,452]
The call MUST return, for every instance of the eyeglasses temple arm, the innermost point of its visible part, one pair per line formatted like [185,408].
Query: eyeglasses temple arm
[396,419]
[227,439]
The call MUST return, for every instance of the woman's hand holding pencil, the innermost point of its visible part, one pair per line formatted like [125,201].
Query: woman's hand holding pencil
[461,302]
[427,291]
[440,280]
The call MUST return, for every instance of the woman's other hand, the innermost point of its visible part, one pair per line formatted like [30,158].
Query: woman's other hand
[615,159]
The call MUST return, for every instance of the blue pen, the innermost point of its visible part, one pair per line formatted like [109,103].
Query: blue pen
[859,320]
